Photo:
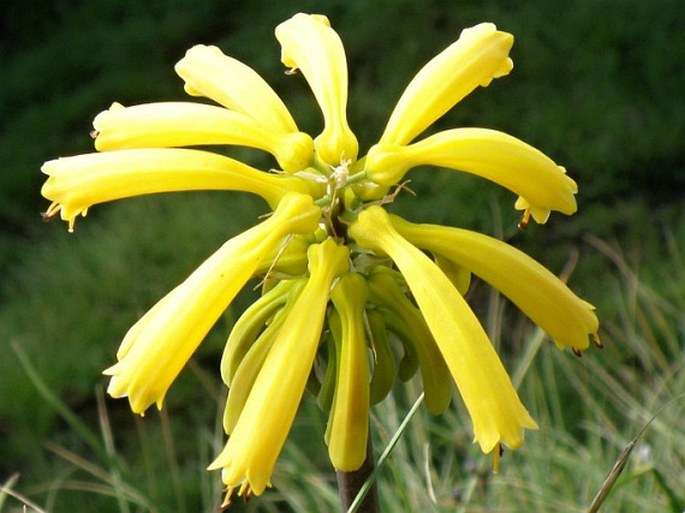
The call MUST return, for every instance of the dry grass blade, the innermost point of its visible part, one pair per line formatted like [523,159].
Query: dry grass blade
[6,490]
[6,487]
[615,471]
[621,462]
[111,486]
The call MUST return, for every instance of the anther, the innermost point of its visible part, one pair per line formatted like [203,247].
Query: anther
[51,212]
[597,341]
[576,352]
[496,456]
[227,499]
[523,223]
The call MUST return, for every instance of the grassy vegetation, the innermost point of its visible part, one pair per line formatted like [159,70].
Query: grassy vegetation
[601,88]
[589,409]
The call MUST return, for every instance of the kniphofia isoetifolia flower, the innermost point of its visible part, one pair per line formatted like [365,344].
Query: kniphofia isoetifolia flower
[377,295]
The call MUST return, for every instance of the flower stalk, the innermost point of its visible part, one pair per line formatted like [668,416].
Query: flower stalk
[351,483]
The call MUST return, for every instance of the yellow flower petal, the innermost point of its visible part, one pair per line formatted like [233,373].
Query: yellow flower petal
[479,55]
[496,410]
[536,291]
[349,424]
[171,124]
[77,183]
[310,44]
[208,72]
[490,154]
[160,343]
[249,456]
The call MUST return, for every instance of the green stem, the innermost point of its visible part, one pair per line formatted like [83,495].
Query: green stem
[361,176]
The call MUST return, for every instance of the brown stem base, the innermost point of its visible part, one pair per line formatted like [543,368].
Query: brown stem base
[349,484]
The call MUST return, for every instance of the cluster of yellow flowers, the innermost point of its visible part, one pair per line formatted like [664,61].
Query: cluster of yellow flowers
[353,297]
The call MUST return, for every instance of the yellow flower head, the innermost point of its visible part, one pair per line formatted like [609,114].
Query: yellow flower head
[385,297]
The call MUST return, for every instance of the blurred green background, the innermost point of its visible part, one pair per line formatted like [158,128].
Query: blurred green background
[599,85]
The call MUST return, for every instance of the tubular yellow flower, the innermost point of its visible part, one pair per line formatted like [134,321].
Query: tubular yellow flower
[159,344]
[169,124]
[349,420]
[310,44]
[479,55]
[496,410]
[77,183]
[208,72]
[250,454]
[535,290]
[336,270]
[490,154]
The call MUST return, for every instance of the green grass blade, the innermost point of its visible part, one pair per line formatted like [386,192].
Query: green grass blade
[354,507]
[676,505]
[58,405]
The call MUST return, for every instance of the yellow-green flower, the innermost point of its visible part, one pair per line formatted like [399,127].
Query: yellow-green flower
[250,454]
[495,409]
[353,297]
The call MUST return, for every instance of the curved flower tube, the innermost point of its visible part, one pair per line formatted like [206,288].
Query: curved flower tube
[543,297]
[169,124]
[77,183]
[349,420]
[480,54]
[161,342]
[252,322]
[208,72]
[248,369]
[490,154]
[495,408]
[248,459]
[310,44]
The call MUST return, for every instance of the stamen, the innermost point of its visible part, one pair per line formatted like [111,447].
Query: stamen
[576,352]
[496,455]
[523,223]
[245,492]
[227,499]
[51,212]
[597,341]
